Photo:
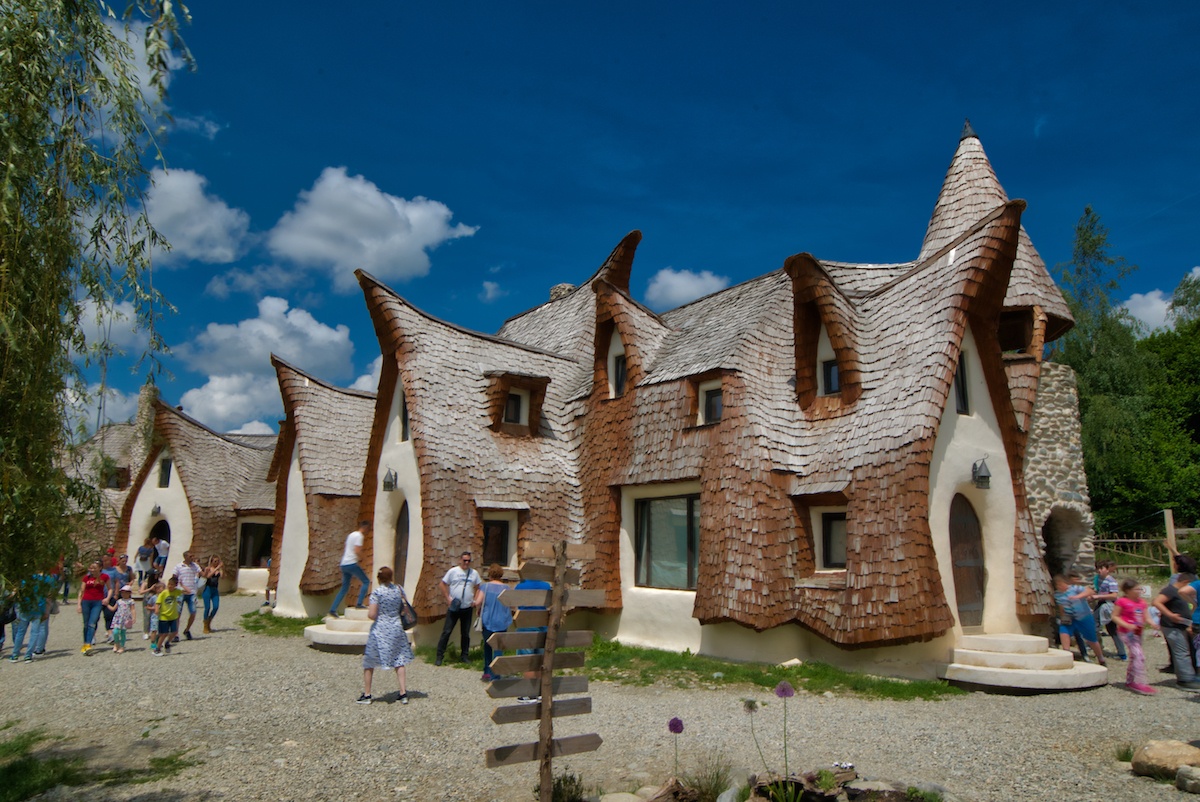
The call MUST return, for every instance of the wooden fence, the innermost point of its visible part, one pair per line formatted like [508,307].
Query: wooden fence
[1144,553]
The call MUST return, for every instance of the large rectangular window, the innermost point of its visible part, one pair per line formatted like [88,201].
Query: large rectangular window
[255,548]
[667,542]
[833,540]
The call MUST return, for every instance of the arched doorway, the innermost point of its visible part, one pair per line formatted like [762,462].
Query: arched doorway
[162,531]
[966,553]
[1062,534]
[400,555]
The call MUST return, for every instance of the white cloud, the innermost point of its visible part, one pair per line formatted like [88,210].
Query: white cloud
[346,222]
[116,324]
[229,349]
[671,288]
[370,380]
[491,291]
[199,226]
[117,407]
[224,402]
[1150,308]
[259,280]
[254,427]
[134,34]
[199,125]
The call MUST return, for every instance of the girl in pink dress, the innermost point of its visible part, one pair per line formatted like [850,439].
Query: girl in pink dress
[1132,614]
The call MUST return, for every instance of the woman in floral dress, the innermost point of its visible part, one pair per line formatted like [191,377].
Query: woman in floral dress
[387,644]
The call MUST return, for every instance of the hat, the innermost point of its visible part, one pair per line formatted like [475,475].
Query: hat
[126,588]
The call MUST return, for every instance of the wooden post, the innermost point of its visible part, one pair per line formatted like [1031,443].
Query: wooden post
[1169,524]
[546,729]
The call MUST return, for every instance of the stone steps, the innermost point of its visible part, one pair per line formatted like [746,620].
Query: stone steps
[345,633]
[1019,663]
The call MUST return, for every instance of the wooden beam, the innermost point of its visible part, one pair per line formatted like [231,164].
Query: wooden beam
[531,618]
[575,551]
[520,663]
[523,753]
[576,706]
[519,686]
[544,598]
[567,639]
[1169,525]
[545,573]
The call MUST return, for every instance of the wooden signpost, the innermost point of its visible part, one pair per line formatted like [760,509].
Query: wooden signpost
[556,602]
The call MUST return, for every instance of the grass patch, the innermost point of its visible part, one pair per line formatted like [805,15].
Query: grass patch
[276,627]
[711,778]
[1124,753]
[632,665]
[24,775]
[160,768]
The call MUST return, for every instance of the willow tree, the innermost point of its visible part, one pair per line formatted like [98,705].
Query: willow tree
[76,128]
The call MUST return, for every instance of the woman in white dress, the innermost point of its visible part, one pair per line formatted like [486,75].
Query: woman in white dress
[387,644]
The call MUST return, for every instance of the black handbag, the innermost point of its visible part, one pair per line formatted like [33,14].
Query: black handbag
[408,616]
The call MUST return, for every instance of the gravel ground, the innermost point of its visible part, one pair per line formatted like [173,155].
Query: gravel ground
[274,719]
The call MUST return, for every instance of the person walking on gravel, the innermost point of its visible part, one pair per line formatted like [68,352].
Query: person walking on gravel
[351,570]
[387,644]
[459,586]
[188,574]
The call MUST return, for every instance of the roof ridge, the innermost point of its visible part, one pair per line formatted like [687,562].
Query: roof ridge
[189,419]
[364,276]
[281,362]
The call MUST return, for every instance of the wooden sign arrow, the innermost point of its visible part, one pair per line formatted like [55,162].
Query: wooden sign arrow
[569,639]
[523,753]
[575,706]
[543,598]
[518,663]
[509,688]
[575,551]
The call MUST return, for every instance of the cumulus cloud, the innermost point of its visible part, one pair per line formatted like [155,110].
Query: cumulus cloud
[491,291]
[199,226]
[370,380]
[94,405]
[346,222]
[198,125]
[671,288]
[256,281]
[228,401]
[1149,308]
[253,427]
[115,324]
[230,349]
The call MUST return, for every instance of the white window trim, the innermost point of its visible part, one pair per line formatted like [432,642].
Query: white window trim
[825,353]
[701,389]
[524,417]
[818,536]
[616,348]
[511,519]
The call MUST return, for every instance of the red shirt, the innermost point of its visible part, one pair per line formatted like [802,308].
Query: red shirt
[93,588]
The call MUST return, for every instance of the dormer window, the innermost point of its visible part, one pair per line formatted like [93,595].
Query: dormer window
[618,375]
[514,408]
[405,434]
[164,472]
[961,400]
[829,378]
[710,404]
[833,540]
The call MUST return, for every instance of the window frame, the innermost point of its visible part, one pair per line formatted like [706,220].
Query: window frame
[643,541]
[509,416]
[962,398]
[164,471]
[620,375]
[709,395]
[831,383]
[827,519]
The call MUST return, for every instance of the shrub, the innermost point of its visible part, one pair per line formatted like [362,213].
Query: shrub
[568,787]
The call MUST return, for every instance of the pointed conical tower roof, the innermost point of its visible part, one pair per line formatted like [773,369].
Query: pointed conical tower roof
[969,193]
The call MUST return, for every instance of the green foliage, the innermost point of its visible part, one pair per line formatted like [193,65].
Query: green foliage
[711,778]
[1135,396]
[160,768]
[914,794]
[826,780]
[24,775]
[1185,301]
[567,787]
[73,132]
[262,623]
[1124,752]
[609,660]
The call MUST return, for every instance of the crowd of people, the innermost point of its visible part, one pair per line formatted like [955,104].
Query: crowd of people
[107,588]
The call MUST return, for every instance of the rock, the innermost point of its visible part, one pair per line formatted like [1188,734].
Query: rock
[1188,779]
[1162,759]
[647,791]
[622,797]
[795,661]
[730,795]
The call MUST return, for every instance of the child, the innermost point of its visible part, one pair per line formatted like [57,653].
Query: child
[168,603]
[150,590]
[1132,615]
[1106,593]
[123,617]
[1076,616]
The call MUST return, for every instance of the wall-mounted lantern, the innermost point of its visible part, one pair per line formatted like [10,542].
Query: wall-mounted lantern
[981,477]
[156,511]
[389,481]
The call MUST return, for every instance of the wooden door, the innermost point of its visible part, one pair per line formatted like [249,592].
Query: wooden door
[400,555]
[966,552]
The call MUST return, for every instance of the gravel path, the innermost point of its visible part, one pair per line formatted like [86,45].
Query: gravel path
[274,719]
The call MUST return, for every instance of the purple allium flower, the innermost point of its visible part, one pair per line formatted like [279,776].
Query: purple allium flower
[675,725]
[784,690]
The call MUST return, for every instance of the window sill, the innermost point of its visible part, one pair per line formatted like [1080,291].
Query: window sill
[834,579]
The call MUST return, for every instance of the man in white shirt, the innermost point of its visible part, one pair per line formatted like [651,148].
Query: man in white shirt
[351,569]
[188,574]
[459,586]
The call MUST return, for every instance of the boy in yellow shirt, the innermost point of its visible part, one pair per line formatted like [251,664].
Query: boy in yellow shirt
[168,603]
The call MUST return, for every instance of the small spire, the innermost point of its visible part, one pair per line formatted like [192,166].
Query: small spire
[967,131]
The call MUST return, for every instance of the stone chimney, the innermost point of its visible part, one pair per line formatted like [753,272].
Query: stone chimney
[561,291]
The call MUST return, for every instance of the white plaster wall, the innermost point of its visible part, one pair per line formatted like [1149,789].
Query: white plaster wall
[252,580]
[962,440]
[399,456]
[173,504]
[652,616]
[293,551]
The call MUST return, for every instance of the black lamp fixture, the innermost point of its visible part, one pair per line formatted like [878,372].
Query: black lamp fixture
[981,477]
[389,480]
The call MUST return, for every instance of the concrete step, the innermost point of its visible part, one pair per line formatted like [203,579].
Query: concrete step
[347,625]
[1052,660]
[1078,677]
[354,614]
[1012,643]
[320,635]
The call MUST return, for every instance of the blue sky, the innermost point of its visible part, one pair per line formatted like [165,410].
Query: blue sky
[473,155]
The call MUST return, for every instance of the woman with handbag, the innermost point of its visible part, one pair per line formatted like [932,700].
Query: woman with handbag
[211,594]
[387,643]
[493,615]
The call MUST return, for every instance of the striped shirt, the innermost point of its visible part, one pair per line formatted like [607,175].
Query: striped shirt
[187,574]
